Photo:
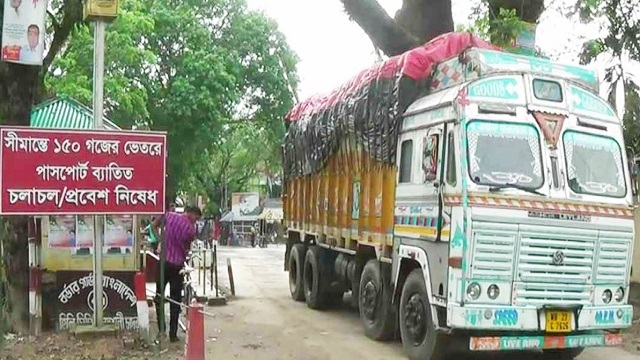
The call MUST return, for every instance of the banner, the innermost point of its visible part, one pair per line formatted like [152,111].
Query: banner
[23,31]
[46,172]
[245,204]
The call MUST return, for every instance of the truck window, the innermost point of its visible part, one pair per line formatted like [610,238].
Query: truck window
[406,157]
[503,153]
[594,164]
[430,157]
[547,90]
[451,161]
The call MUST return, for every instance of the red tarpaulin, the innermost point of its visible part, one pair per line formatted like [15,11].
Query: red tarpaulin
[415,64]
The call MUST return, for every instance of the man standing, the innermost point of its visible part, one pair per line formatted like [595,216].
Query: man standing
[179,232]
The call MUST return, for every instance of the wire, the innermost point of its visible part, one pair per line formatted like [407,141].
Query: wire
[178,303]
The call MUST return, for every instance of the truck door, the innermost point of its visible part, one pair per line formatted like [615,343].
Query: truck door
[420,184]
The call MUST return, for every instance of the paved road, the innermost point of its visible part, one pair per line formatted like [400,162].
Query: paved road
[264,323]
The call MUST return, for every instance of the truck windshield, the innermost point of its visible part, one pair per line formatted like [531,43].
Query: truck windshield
[594,164]
[504,153]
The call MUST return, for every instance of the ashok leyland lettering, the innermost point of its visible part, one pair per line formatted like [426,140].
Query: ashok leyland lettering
[497,207]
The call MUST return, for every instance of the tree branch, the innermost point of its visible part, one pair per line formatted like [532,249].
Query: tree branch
[383,31]
[72,16]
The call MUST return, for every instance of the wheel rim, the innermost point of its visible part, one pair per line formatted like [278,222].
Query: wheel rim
[369,297]
[414,319]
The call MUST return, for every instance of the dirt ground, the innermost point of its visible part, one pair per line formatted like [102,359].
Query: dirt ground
[263,323]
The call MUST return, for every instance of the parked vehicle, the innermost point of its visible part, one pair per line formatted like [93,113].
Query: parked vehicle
[495,207]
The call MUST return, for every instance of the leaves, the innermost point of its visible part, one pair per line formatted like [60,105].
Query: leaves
[210,73]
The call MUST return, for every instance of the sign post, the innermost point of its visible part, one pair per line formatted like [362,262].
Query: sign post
[101,11]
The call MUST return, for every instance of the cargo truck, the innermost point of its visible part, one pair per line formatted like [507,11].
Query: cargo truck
[462,192]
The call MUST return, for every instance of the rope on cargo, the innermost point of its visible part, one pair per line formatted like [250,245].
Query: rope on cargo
[178,303]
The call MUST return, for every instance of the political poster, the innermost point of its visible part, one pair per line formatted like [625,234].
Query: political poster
[62,231]
[23,31]
[118,234]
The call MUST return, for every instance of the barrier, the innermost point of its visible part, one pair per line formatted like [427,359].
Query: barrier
[139,282]
[194,342]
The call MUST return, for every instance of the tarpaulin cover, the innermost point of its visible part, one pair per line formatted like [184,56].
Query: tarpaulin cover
[367,110]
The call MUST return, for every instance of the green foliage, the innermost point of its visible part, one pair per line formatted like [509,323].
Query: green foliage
[500,29]
[620,42]
[199,70]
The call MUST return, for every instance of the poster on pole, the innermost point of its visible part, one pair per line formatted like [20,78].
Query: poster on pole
[84,235]
[81,172]
[23,31]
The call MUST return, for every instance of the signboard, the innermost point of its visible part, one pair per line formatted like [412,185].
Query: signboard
[74,299]
[81,172]
[100,9]
[23,31]
[505,89]
[245,204]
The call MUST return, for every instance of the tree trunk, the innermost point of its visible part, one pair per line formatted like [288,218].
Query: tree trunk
[419,21]
[18,84]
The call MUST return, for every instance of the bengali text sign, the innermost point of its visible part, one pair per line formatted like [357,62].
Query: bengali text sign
[81,172]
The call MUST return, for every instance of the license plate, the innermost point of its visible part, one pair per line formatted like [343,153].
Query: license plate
[558,321]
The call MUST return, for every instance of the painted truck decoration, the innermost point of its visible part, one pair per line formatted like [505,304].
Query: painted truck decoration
[503,208]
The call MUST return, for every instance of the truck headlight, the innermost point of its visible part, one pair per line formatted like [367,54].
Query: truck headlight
[473,291]
[619,294]
[493,291]
[606,296]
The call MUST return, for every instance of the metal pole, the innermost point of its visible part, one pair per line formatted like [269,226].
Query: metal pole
[98,95]
[215,265]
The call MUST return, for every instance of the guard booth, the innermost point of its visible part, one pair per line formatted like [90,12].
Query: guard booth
[66,246]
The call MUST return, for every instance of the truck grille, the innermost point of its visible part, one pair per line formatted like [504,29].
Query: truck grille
[540,243]
[525,254]
[493,252]
[613,255]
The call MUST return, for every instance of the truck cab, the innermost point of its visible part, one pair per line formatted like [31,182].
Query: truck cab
[514,202]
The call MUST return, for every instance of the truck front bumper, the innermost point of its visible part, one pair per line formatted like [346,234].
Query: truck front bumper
[588,325]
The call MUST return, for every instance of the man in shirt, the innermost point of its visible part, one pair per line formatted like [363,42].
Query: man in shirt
[179,232]
[31,52]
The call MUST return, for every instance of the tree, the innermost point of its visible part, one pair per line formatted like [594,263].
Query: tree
[195,69]
[20,87]
[419,21]
[619,46]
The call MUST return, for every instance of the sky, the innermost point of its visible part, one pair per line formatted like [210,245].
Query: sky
[332,49]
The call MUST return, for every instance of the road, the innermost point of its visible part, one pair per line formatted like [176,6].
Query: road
[262,322]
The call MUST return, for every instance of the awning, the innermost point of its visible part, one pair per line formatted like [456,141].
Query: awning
[228,217]
[65,113]
[271,214]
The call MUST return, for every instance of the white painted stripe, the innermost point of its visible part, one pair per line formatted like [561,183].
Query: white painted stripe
[143,315]
[33,309]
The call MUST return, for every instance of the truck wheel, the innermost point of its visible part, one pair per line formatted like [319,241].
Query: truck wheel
[296,263]
[563,354]
[314,289]
[417,330]
[355,277]
[374,301]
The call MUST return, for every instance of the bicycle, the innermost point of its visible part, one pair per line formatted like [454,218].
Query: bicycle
[188,291]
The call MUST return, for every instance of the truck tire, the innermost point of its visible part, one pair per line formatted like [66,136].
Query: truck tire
[355,277]
[296,278]
[314,280]
[563,354]
[374,301]
[420,339]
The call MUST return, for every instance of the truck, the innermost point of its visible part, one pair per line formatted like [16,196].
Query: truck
[463,193]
